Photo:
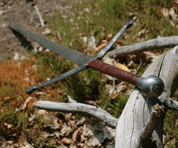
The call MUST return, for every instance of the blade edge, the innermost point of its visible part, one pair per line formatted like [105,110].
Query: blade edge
[70,54]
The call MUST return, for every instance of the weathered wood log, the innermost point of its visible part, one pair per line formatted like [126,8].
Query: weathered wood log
[157,43]
[135,119]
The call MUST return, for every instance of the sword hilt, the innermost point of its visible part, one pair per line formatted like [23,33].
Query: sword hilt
[151,86]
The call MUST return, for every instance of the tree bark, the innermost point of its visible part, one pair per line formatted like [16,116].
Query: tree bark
[137,117]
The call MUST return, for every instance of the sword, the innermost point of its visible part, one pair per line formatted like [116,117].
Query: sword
[151,86]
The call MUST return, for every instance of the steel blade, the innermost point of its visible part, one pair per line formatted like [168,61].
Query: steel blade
[73,55]
[64,75]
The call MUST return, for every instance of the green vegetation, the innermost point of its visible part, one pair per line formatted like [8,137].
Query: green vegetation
[90,18]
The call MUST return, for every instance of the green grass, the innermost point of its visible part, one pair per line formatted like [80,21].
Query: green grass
[171,128]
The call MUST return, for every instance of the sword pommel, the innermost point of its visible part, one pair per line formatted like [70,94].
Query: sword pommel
[152,86]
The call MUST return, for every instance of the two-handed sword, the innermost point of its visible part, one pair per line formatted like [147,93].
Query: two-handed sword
[151,86]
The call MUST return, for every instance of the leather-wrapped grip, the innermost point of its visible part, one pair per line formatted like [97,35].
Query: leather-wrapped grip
[113,71]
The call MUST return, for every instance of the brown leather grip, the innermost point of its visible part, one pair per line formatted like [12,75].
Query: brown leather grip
[113,71]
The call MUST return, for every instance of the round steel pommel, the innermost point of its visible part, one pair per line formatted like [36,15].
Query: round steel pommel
[152,86]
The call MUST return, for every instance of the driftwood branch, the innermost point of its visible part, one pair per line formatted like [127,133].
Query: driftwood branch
[93,111]
[150,125]
[157,43]
[138,108]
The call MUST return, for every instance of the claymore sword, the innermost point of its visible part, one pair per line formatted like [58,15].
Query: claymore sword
[151,86]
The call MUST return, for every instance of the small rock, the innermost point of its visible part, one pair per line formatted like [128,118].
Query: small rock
[16,56]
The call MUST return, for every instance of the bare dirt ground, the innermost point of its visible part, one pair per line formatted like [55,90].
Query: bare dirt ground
[23,13]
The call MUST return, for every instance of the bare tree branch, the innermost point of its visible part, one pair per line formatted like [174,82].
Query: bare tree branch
[157,43]
[93,111]
[150,125]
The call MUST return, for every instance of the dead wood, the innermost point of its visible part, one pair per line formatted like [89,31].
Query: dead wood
[94,111]
[137,112]
[157,43]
